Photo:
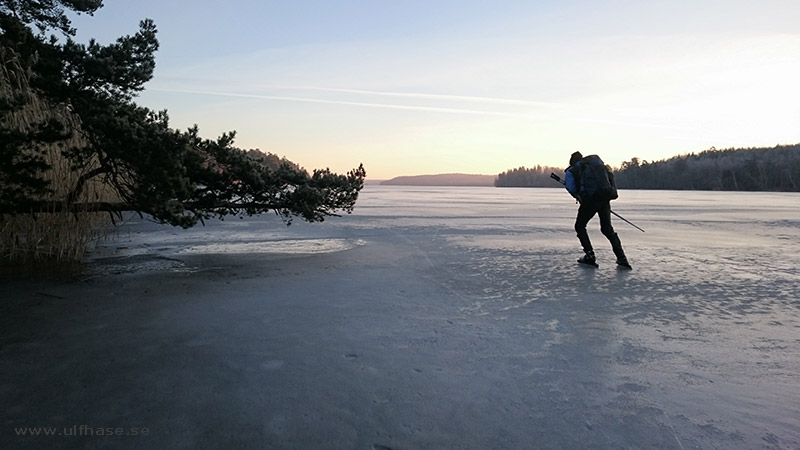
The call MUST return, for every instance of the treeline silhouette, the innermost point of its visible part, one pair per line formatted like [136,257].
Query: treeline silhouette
[751,169]
[744,169]
[538,176]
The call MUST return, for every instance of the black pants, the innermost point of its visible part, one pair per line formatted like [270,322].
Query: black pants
[586,211]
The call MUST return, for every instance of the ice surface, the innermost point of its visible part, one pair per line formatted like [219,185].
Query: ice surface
[432,318]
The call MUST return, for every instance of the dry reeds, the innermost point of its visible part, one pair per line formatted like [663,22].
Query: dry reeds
[35,236]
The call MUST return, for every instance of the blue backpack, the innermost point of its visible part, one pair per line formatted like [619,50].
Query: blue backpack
[596,179]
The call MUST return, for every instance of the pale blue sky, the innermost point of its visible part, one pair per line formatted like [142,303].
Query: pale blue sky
[415,87]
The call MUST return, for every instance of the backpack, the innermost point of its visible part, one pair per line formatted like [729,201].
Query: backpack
[596,180]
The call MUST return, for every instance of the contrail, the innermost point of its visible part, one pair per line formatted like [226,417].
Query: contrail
[463,98]
[436,109]
[362,104]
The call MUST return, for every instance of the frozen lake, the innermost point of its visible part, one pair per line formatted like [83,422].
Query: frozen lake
[745,245]
[451,318]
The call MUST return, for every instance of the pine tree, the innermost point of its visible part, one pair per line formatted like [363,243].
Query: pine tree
[176,177]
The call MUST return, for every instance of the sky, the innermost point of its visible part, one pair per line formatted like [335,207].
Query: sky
[410,87]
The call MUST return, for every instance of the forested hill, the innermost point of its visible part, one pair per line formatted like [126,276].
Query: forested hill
[747,169]
[751,169]
[538,176]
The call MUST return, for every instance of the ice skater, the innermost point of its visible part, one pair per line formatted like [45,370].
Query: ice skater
[592,184]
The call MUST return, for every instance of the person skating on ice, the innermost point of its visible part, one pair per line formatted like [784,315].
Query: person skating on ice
[592,184]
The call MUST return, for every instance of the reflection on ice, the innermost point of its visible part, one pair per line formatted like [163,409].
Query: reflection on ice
[287,246]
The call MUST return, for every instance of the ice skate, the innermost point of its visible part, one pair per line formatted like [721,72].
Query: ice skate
[588,259]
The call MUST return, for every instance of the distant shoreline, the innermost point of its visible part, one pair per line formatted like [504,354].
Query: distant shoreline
[448,179]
